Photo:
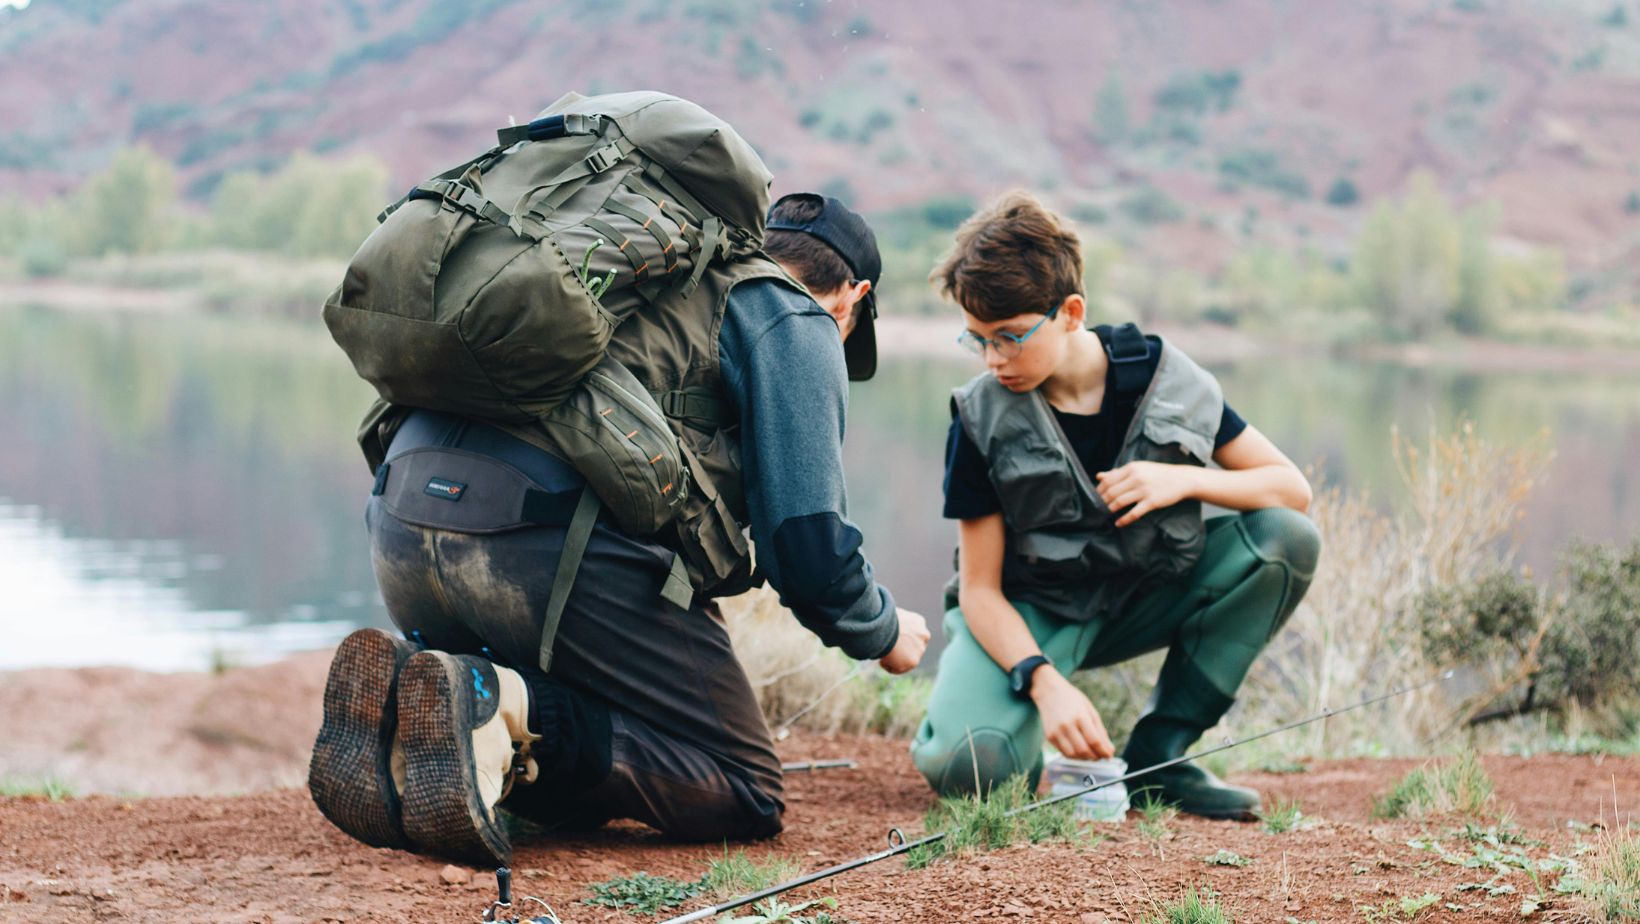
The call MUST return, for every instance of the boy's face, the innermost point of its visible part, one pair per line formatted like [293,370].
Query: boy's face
[1024,366]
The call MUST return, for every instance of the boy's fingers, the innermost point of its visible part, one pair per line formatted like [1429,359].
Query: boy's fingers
[1139,510]
[1126,499]
[1071,742]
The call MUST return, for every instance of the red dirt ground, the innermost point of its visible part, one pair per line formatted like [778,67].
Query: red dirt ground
[270,857]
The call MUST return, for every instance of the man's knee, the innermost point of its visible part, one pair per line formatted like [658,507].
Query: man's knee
[980,761]
[1286,537]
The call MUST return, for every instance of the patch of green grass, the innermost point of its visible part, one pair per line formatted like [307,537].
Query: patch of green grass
[973,824]
[1281,817]
[1400,909]
[1459,786]
[46,787]
[1612,889]
[1155,815]
[737,874]
[641,893]
[1194,907]
[1222,857]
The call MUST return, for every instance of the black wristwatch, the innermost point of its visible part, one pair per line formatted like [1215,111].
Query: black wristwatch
[1019,677]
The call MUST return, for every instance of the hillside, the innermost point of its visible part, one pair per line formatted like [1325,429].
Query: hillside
[1188,129]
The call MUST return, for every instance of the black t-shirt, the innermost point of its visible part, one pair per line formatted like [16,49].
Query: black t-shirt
[1096,439]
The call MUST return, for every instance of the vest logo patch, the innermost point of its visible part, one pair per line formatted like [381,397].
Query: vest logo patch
[444,489]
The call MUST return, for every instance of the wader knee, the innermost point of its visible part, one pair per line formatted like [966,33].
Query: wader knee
[982,759]
[1288,540]
[1286,537]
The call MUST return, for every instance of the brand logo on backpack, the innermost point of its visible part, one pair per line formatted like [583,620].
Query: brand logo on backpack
[444,489]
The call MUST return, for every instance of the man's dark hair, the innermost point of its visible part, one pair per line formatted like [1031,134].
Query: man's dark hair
[808,258]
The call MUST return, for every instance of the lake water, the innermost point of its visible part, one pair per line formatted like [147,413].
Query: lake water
[178,492]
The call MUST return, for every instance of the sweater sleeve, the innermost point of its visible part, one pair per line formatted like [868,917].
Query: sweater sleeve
[782,364]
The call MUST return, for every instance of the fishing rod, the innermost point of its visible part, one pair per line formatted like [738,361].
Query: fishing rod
[898,844]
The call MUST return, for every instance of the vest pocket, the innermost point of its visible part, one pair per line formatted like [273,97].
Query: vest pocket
[1171,441]
[1166,542]
[1036,487]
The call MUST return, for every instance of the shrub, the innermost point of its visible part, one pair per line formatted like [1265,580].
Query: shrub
[1263,168]
[1151,206]
[1343,193]
[791,671]
[1611,891]
[42,257]
[1594,643]
[1194,907]
[1460,786]
[1462,495]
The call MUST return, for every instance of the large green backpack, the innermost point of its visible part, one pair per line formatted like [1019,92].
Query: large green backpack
[492,290]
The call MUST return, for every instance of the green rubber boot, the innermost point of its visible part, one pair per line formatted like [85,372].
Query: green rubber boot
[1184,705]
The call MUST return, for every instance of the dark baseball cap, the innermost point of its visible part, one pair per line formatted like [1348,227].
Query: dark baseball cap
[844,231]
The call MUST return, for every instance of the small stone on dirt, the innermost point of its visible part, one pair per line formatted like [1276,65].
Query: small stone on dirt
[454,875]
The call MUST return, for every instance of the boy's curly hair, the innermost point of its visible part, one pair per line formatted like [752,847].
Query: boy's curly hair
[1013,257]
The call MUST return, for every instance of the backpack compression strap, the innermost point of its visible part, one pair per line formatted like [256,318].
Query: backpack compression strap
[676,590]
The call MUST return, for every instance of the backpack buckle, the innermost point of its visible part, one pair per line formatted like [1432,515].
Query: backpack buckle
[603,158]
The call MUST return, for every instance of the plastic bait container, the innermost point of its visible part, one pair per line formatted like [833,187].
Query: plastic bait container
[1065,775]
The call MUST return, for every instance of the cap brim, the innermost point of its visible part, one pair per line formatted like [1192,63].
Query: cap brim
[860,349]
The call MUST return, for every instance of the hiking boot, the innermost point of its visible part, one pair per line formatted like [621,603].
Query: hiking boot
[463,725]
[1183,705]
[1197,791]
[351,774]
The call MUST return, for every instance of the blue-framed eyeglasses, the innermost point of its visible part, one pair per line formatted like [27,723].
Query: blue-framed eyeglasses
[1007,345]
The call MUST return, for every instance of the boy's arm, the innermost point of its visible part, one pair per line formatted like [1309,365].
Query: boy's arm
[1069,718]
[1255,474]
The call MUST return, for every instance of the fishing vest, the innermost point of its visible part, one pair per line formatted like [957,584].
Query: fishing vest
[1062,540]
[674,355]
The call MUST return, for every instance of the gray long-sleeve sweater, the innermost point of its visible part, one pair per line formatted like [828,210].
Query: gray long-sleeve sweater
[782,364]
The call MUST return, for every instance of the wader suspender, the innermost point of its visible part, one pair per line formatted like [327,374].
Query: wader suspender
[1129,351]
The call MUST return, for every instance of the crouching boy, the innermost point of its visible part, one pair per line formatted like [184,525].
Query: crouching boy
[1077,467]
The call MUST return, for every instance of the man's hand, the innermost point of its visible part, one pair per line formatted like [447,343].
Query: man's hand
[1145,486]
[909,647]
[1069,718]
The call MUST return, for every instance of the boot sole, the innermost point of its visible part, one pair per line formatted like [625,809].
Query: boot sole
[443,810]
[349,776]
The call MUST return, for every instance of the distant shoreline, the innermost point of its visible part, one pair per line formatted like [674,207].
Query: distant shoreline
[934,337]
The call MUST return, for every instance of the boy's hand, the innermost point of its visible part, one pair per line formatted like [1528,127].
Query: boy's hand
[1069,718]
[1140,487]
[909,647]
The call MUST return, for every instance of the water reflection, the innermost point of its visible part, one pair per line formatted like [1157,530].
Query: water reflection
[174,490]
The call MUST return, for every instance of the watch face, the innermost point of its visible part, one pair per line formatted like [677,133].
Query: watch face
[1016,680]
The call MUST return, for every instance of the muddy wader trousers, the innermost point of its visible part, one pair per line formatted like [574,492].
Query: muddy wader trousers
[646,714]
[1254,570]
